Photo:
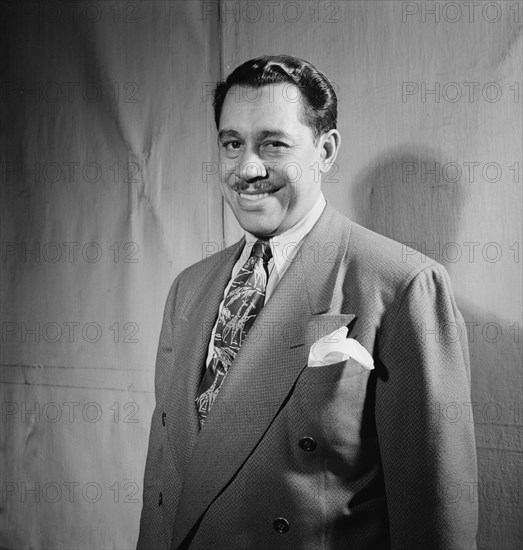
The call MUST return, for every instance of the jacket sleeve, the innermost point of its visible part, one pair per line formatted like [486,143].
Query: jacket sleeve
[424,419]
[152,530]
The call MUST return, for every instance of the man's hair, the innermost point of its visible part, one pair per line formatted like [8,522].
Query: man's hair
[318,99]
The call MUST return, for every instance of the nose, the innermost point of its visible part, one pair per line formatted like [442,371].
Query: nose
[253,171]
[252,168]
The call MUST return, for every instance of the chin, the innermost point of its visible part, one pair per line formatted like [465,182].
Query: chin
[259,228]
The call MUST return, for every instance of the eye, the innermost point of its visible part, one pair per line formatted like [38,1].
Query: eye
[232,145]
[276,145]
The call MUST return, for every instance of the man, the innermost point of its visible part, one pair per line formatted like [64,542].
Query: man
[254,447]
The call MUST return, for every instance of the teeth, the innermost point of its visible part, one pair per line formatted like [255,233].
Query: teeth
[254,197]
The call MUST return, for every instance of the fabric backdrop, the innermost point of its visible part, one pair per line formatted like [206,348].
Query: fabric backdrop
[109,189]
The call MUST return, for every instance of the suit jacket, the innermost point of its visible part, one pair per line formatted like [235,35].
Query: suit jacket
[333,457]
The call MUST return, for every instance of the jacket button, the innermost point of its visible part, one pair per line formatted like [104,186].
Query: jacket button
[164,416]
[281,525]
[160,499]
[307,444]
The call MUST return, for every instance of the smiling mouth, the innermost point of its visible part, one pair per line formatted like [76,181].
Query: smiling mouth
[257,195]
[254,196]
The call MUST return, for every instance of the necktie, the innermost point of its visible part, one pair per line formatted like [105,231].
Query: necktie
[242,304]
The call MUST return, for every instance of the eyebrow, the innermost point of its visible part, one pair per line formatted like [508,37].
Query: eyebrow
[223,133]
[264,134]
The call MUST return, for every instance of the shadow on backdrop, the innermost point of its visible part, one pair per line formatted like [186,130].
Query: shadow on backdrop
[416,196]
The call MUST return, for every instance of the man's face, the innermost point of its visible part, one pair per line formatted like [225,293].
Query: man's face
[269,164]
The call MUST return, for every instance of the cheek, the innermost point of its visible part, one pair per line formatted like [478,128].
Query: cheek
[226,167]
[290,194]
[226,172]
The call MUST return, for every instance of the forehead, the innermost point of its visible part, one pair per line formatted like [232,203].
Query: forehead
[247,109]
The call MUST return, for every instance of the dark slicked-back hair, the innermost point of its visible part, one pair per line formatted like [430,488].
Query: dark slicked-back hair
[318,99]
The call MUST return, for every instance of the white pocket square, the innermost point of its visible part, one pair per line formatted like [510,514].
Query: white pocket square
[336,347]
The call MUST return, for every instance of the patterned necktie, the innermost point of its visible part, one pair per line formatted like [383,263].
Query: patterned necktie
[242,304]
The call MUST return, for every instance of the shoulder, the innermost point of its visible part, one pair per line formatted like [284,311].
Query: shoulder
[386,258]
[193,276]
[379,269]
[377,254]
[212,262]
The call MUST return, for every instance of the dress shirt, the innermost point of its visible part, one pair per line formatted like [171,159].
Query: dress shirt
[284,248]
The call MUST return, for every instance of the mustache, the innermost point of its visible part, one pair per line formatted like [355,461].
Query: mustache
[259,185]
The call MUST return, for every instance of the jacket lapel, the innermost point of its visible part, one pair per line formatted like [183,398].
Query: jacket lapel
[192,327]
[265,369]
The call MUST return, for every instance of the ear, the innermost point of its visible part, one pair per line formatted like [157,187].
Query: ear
[330,144]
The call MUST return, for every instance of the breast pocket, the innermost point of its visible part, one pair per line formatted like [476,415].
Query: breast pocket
[328,403]
[335,372]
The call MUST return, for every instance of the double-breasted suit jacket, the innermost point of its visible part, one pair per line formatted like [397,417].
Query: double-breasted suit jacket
[332,457]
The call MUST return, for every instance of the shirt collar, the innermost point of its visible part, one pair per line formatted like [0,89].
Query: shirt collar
[285,245]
